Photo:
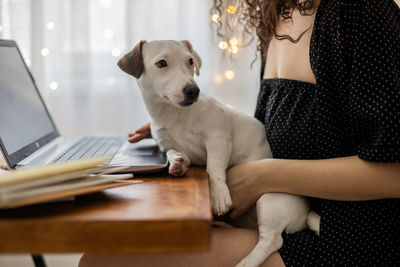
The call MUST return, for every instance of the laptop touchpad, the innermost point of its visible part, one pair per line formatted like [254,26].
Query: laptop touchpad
[141,149]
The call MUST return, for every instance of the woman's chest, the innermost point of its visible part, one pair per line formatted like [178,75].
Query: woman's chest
[299,124]
[290,58]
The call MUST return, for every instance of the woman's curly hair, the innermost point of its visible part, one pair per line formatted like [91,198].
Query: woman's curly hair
[259,16]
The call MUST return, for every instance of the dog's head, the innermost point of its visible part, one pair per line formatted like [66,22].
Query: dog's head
[167,67]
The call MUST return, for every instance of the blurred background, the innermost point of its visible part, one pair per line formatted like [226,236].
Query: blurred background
[72,48]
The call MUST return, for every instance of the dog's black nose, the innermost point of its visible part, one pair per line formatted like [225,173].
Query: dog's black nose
[191,91]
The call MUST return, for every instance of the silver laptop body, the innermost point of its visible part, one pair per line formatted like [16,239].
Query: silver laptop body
[29,137]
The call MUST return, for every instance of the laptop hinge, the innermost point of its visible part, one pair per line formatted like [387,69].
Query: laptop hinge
[47,152]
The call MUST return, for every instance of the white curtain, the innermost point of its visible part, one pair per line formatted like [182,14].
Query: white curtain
[72,47]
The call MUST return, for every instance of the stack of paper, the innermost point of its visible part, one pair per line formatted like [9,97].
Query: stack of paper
[33,185]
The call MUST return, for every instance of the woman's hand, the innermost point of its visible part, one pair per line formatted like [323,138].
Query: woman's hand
[141,133]
[247,182]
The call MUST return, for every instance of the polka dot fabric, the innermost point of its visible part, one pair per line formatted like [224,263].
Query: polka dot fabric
[353,109]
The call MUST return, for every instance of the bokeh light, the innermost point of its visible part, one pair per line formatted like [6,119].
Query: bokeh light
[45,51]
[223,45]
[231,9]
[229,74]
[215,18]
[53,86]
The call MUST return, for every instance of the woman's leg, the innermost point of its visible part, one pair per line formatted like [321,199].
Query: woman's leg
[227,248]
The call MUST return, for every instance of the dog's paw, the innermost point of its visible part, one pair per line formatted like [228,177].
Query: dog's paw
[221,200]
[178,166]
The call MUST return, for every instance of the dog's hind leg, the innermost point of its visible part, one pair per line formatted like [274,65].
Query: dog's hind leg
[269,242]
[178,162]
[276,212]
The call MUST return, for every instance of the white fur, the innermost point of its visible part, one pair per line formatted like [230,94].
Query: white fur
[209,133]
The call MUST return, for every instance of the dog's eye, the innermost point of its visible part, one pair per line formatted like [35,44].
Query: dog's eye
[191,61]
[162,63]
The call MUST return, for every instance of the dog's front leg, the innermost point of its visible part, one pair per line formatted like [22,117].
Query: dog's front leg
[218,153]
[178,162]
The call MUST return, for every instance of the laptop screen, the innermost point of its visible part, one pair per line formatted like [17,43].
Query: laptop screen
[24,119]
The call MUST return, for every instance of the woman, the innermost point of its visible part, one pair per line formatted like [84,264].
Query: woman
[330,102]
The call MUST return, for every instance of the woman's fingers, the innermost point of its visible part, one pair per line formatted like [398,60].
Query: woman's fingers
[144,129]
[243,186]
[141,133]
[135,138]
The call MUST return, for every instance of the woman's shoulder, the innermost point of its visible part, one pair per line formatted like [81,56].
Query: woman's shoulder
[356,41]
[360,3]
[359,17]
[356,9]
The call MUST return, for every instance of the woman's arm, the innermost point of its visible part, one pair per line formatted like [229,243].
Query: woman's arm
[346,178]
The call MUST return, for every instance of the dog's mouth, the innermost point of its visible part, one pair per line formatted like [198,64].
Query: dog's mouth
[188,102]
[184,103]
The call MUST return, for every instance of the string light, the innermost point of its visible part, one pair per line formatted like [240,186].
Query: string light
[223,45]
[229,74]
[234,41]
[231,9]
[230,106]
[1,28]
[116,52]
[233,45]
[53,86]
[45,52]
[215,18]
[50,25]
[233,49]
[28,62]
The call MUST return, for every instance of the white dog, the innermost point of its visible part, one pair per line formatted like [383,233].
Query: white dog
[196,129]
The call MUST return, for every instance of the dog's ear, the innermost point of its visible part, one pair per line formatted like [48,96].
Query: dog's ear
[196,57]
[132,63]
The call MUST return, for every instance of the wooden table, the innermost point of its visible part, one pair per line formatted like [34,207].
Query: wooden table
[161,214]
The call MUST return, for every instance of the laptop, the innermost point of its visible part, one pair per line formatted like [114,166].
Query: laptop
[29,136]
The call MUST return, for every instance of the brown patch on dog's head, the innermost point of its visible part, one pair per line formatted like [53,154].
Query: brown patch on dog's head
[132,63]
[196,57]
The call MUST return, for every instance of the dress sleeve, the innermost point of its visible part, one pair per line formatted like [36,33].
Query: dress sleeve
[374,91]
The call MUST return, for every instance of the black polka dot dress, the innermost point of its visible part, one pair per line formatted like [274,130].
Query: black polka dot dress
[353,109]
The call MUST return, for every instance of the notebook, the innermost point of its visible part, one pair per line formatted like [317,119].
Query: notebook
[39,184]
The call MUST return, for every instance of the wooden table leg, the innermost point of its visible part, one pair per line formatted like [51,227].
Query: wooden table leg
[39,261]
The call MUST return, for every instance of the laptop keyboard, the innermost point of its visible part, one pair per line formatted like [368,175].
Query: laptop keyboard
[90,147]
